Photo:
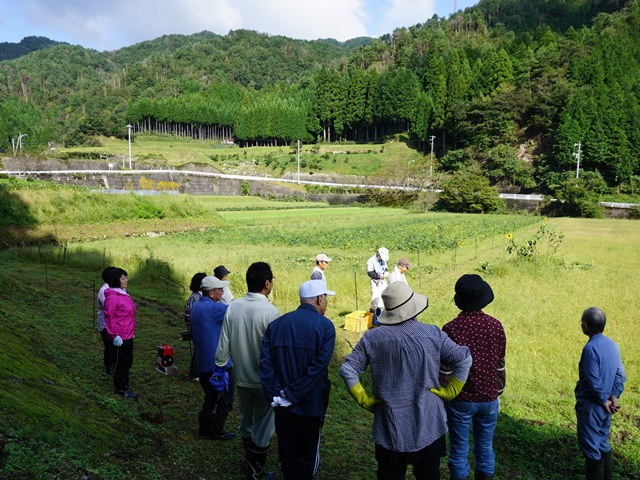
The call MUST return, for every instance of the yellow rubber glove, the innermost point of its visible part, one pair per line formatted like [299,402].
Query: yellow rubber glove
[365,401]
[449,392]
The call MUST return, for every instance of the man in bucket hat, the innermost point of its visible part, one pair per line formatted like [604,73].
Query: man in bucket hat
[409,423]
[478,402]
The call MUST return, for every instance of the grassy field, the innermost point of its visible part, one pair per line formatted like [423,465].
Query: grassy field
[61,420]
[391,158]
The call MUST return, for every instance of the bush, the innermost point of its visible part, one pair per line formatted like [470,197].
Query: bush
[634,213]
[574,198]
[467,192]
[453,161]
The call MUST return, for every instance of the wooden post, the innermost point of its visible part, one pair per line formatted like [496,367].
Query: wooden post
[355,288]
[419,272]
[455,257]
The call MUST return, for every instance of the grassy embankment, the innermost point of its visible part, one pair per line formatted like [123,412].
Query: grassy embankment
[390,159]
[61,420]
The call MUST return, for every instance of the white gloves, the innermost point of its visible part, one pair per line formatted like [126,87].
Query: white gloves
[117,341]
[280,402]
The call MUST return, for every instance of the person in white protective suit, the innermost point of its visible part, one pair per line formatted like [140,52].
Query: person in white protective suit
[378,273]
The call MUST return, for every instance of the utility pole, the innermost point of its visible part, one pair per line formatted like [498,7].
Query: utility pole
[431,164]
[129,127]
[19,143]
[577,155]
[298,161]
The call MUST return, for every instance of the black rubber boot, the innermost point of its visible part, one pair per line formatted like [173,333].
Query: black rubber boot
[217,428]
[608,464]
[246,444]
[594,469]
[482,476]
[257,459]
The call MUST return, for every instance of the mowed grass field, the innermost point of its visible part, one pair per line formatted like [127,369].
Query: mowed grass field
[50,345]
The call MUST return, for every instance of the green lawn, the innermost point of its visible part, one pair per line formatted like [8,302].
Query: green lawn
[61,420]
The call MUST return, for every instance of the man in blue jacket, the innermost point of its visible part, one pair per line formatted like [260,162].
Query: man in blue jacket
[600,384]
[207,315]
[296,351]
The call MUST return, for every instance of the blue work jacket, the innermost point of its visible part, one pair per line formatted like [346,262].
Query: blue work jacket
[296,351]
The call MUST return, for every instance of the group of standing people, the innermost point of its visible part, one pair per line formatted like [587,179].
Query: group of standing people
[418,371]
[277,365]
[425,381]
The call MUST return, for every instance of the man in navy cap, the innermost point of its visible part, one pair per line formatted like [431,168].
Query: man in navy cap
[221,273]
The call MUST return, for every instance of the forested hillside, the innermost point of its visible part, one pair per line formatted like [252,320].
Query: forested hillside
[9,51]
[507,88]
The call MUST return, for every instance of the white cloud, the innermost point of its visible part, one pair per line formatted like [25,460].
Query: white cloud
[339,19]
[405,13]
[112,24]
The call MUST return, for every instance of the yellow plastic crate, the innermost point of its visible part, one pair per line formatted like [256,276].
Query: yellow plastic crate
[358,321]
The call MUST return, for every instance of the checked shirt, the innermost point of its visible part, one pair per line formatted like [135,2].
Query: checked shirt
[405,361]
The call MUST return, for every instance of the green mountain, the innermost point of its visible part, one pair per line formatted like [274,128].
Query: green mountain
[505,88]
[9,51]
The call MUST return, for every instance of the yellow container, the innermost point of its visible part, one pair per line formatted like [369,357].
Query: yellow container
[358,321]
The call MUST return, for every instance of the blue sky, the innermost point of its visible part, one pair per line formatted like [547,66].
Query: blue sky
[113,24]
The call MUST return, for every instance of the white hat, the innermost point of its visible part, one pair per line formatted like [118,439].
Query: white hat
[384,253]
[401,304]
[210,282]
[313,288]
[321,257]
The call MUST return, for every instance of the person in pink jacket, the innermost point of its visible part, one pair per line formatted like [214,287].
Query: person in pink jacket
[120,322]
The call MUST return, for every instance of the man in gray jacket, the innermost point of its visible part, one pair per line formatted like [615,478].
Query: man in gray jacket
[245,322]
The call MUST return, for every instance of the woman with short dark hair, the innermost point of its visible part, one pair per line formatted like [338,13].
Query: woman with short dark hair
[196,294]
[120,322]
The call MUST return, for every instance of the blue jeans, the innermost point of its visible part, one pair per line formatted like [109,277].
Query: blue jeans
[460,416]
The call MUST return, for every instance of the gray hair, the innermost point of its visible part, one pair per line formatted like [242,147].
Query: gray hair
[308,300]
[594,319]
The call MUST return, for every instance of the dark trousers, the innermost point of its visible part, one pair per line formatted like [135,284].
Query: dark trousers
[298,444]
[194,372]
[221,402]
[193,366]
[123,362]
[426,462]
[109,357]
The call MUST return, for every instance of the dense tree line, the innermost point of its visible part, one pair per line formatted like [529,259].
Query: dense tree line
[9,51]
[492,91]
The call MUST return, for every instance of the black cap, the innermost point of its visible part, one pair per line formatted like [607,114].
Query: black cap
[220,271]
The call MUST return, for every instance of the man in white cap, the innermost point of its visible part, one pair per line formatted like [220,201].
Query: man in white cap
[207,315]
[398,271]
[404,356]
[322,261]
[378,273]
[294,372]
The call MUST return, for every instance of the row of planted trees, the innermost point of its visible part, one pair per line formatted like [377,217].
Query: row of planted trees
[474,86]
